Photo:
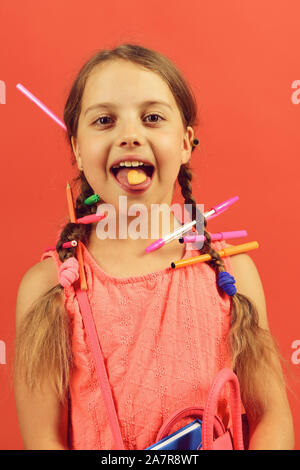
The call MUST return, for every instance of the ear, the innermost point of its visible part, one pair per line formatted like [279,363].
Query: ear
[76,153]
[187,145]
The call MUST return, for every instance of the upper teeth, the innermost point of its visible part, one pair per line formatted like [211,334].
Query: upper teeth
[127,163]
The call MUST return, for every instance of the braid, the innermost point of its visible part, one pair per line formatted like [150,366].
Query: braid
[184,179]
[252,348]
[46,327]
[73,231]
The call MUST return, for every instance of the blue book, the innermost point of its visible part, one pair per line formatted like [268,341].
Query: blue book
[187,438]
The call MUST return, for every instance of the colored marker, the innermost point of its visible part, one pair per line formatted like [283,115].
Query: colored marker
[89,219]
[40,105]
[214,236]
[231,250]
[70,204]
[70,244]
[217,210]
[92,199]
[223,206]
[83,284]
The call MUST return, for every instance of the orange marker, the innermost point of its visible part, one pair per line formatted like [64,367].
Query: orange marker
[83,285]
[231,250]
[70,204]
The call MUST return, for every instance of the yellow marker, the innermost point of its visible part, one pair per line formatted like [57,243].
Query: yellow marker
[134,177]
[231,250]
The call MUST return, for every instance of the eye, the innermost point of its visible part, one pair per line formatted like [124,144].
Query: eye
[102,117]
[105,117]
[157,115]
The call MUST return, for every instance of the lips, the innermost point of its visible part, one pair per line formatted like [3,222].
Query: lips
[120,174]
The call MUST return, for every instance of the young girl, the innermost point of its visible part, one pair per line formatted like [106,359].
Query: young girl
[164,333]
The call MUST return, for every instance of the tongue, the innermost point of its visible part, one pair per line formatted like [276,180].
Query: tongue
[130,178]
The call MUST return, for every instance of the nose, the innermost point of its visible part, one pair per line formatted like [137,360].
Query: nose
[130,135]
[131,141]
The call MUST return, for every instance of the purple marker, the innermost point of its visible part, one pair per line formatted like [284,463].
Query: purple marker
[161,241]
[214,236]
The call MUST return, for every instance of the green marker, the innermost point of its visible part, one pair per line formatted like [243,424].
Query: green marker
[92,200]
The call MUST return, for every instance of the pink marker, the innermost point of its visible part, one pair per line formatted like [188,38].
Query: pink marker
[89,219]
[185,228]
[217,210]
[214,236]
[40,104]
[70,244]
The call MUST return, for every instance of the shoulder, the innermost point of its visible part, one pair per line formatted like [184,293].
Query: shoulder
[41,275]
[36,281]
[248,283]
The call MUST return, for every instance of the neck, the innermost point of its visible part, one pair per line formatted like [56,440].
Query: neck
[121,239]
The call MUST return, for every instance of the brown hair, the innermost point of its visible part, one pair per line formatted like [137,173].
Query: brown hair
[253,350]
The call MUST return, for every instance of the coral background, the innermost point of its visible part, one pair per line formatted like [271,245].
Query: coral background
[241,60]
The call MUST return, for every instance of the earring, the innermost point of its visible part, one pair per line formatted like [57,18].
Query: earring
[195,142]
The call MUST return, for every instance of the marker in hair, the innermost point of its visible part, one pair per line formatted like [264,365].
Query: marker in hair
[231,250]
[89,219]
[70,244]
[213,212]
[83,284]
[70,204]
[214,236]
[92,199]
[40,105]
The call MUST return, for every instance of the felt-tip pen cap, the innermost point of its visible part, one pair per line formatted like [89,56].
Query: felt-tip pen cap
[92,199]
[154,246]
[89,219]
[219,208]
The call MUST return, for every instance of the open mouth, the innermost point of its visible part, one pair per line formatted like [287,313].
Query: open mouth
[133,178]
[148,169]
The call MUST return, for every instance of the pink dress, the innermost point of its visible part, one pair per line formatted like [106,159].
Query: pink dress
[163,340]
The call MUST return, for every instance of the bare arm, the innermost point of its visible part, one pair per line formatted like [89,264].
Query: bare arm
[42,418]
[274,430]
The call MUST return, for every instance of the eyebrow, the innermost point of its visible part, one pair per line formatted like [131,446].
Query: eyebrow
[112,105]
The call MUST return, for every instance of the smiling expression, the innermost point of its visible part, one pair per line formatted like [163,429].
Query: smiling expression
[130,125]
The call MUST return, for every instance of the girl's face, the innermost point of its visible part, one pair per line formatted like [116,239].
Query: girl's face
[129,126]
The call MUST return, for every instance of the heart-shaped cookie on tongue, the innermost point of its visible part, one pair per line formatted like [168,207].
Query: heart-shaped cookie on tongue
[136,177]
[128,176]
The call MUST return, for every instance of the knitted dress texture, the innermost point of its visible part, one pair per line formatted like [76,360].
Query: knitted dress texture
[163,339]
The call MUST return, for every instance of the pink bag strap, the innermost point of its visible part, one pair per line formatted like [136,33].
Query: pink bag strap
[209,418]
[93,341]
[224,376]
[191,411]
